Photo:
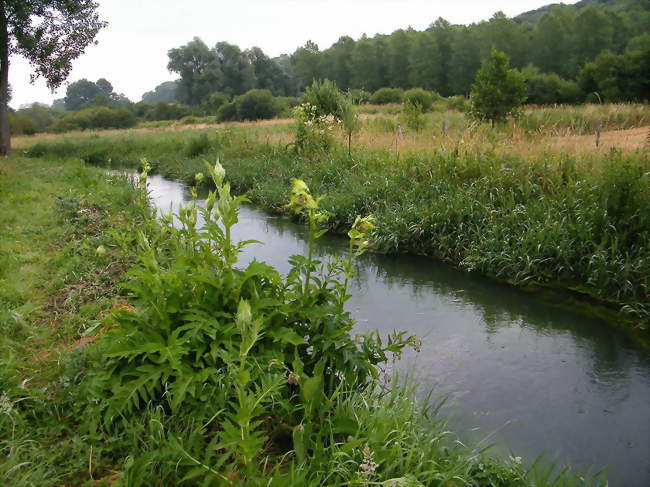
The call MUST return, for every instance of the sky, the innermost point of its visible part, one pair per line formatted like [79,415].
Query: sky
[131,52]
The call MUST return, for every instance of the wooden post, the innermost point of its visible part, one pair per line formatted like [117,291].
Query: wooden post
[445,127]
[599,129]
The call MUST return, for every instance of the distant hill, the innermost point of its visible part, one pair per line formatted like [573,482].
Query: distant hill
[533,16]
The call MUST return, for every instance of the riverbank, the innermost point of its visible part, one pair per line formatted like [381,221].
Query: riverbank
[67,240]
[570,222]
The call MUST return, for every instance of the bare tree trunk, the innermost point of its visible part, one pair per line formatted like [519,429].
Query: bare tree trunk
[5,137]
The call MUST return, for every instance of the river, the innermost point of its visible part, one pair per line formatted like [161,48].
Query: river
[524,375]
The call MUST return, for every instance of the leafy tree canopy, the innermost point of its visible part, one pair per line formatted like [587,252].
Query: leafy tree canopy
[498,90]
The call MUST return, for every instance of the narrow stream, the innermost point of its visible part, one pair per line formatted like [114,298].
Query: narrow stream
[534,378]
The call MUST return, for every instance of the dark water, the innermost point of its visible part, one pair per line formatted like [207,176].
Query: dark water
[534,378]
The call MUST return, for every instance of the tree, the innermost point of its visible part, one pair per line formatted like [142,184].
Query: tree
[306,64]
[238,72]
[165,92]
[498,90]
[81,93]
[50,34]
[199,69]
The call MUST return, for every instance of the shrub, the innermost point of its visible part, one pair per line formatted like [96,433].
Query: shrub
[167,111]
[325,98]
[41,116]
[285,104]
[227,112]
[546,89]
[360,97]
[256,105]
[214,102]
[498,91]
[20,124]
[384,96]
[413,117]
[262,354]
[418,97]
[458,102]
[95,118]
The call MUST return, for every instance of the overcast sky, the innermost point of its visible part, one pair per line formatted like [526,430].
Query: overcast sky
[132,51]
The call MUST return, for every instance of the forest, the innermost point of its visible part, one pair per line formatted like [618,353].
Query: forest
[593,51]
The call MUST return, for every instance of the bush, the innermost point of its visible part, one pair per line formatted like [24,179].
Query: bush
[360,97]
[95,118]
[256,105]
[418,97]
[285,104]
[458,102]
[546,89]
[384,96]
[214,102]
[325,97]
[227,112]
[498,91]
[167,111]
[41,116]
[20,124]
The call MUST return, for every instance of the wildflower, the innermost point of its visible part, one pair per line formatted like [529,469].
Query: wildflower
[301,198]
[368,466]
[362,227]
[6,405]
[244,315]
[293,379]
[101,251]
[198,177]
[219,173]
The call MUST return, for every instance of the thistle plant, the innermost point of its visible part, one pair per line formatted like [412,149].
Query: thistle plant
[242,348]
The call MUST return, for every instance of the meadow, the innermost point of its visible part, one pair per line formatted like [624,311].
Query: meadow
[536,202]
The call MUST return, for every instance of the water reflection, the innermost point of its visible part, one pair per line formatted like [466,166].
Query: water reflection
[544,379]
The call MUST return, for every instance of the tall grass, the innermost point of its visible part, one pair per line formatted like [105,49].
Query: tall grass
[549,219]
[206,373]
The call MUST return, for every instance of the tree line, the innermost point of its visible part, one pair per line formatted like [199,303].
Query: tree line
[553,52]
[565,54]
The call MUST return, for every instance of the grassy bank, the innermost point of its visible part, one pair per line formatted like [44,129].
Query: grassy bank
[195,373]
[536,217]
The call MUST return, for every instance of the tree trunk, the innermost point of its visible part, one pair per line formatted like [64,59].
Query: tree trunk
[5,137]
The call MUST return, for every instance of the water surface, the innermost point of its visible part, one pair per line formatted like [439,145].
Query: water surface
[533,377]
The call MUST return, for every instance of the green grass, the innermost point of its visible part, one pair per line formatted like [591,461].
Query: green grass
[550,219]
[200,374]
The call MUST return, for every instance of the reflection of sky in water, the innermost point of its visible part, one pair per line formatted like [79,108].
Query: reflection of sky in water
[546,379]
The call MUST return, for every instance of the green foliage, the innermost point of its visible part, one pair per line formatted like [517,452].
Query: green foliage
[617,78]
[256,105]
[165,92]
[546,89]
[420,98]
[227,112]
[285,105]
[360,97]
[387,95]
[85,94]
[20,124]
[498,91]
[94,118]
[325,98]
[165,111]
[247,348]
[412,115]
[214,102]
